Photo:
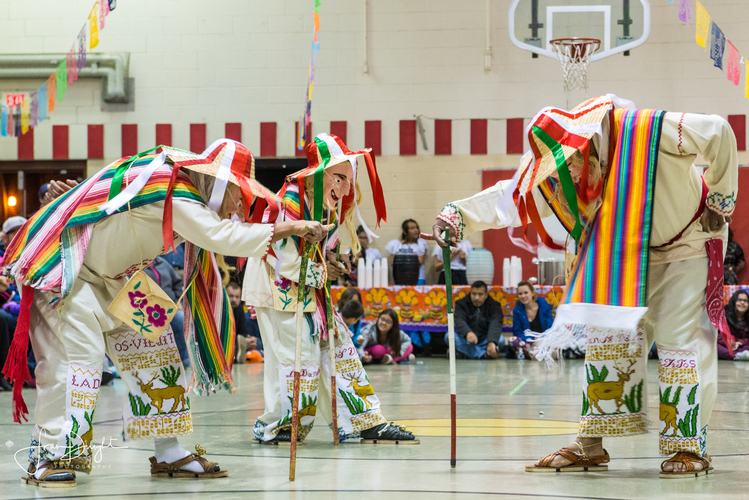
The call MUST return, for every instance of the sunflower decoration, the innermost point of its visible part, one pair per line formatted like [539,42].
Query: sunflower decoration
[436,301]
[406,300]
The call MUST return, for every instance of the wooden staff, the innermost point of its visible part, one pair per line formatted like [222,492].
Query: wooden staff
[332,335]
[308,247]
[451,341]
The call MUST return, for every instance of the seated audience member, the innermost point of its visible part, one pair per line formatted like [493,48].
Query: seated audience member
[410,244]
[245,342]
[367,253]
[43,194]
[176,259]
[254,331]
[347,295]
[530,313]
[10,299]
[734,261]
[457,263]
[163,274]
[6,336]
[385,341]
[478,325]
[10,228]
[738,322]
[352,313]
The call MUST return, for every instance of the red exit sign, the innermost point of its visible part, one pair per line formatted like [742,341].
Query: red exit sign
[14,99]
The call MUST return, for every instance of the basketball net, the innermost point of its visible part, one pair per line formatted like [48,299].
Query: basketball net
[574,55]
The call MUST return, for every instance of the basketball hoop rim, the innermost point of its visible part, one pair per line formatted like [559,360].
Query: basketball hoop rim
[576,41]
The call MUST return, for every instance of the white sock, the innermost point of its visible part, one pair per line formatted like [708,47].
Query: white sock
[41,468]
[168,450]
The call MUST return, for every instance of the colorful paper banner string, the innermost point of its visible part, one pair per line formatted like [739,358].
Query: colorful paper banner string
[733,64]
[717,45]
[307,118]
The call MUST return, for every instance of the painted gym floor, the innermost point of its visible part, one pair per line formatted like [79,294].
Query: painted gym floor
[510,413]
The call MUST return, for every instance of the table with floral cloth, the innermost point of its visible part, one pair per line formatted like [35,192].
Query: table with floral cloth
[424,307]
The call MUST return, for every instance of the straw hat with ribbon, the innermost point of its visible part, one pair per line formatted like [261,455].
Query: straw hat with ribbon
[555,136]
[227,160]
[329,150]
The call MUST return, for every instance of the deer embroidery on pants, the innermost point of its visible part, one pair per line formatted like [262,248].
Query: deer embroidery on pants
[171,391]
[602,390]
[360,390]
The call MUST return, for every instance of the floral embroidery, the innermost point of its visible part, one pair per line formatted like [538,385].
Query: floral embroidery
[721,203]
[451,214]
[135,299]
[156,315]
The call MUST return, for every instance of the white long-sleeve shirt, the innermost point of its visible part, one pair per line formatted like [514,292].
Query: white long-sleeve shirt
[113,251]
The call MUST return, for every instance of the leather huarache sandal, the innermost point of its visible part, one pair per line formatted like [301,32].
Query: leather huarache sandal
[581,462]
[210,469]
[687,458]
[55,475]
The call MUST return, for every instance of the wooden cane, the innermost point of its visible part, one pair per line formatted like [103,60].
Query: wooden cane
[298,358]
[451,342]
[332,335]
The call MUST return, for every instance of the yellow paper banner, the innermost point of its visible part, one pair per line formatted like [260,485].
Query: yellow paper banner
[93,25]
[703,24]
[25,110]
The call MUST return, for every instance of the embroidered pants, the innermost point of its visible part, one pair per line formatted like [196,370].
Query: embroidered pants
[69,344]
[357,405]
[614,396]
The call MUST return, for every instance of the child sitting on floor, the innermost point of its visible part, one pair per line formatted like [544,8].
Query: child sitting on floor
[352,313]
[385,341]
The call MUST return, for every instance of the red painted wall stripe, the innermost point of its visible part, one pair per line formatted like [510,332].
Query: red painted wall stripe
[303,151]
[26,145]
[373,136]
[443,137]
[339,129]
[60,134]
[268,138]
[515,136]
[197,137]
[233,131]
[163,134]
[738,124]
[408,137]
[96,141]
[129,139]
[479,137]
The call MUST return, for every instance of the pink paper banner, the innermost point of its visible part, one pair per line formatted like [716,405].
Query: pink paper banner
[733,64]
[71,65]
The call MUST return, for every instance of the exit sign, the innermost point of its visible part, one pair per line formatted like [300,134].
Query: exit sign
[14,99]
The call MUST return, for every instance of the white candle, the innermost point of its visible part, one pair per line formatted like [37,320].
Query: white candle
[384,276]
[506,272]
[360,273]
[368,275]
[376,274]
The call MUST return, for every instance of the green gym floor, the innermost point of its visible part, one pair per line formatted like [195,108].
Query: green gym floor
[510,413]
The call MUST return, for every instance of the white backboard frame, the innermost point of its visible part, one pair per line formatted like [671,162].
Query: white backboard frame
[606,49]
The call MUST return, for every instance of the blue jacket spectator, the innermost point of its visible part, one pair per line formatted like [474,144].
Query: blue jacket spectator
[528,305]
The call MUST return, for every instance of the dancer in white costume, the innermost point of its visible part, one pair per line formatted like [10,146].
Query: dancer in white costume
[68,298]
[271,287]
[684,218]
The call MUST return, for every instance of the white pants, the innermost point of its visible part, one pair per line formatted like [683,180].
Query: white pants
[677,322]
[358,407]
[69,345]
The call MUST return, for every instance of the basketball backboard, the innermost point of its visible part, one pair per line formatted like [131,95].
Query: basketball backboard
[621,25]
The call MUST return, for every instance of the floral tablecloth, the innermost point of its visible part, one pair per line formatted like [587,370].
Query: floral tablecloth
[424,307]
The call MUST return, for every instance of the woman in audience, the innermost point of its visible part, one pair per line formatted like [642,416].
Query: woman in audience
[737,321]
[734,261]
[530,313]
[410,244]
[385,341]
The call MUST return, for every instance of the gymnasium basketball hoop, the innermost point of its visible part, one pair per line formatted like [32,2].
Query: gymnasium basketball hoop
[574,54]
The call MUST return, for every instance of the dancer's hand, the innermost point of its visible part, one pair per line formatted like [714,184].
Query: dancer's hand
[335,270]
[712,221]
[309,230]
[438,228]
[471,338]
[58,188]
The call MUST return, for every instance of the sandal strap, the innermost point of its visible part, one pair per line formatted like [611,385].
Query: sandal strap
[688,458]
[175,466]
[50,468]
[576,458]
